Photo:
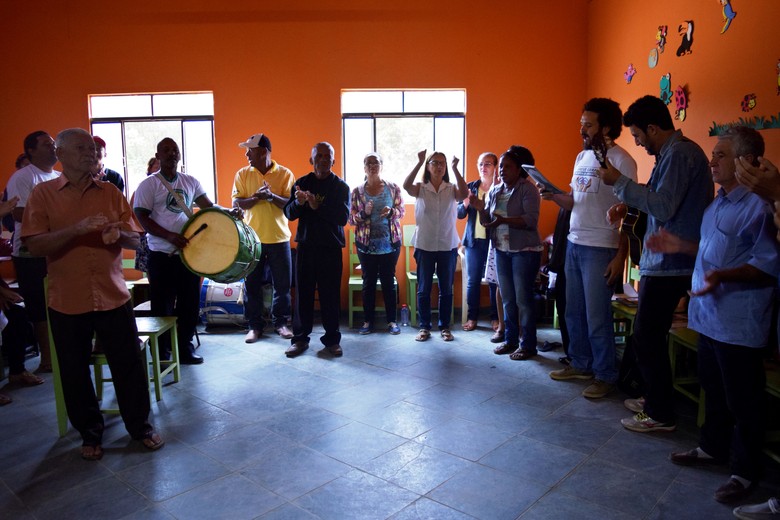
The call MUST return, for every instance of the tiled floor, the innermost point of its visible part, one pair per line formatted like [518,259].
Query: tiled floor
[394,429]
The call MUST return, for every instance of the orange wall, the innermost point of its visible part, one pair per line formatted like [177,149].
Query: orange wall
[279,67]
[527,67]
[720,71]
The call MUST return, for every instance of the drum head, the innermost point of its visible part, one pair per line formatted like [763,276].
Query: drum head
[212,250]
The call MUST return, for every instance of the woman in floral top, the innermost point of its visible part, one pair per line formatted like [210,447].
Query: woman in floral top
[376,212]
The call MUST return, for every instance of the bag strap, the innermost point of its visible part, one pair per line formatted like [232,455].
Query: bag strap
[178,198]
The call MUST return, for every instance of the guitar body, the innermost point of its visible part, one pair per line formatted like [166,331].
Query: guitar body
[634,226]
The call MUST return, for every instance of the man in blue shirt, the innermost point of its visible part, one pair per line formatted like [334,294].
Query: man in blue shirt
[733,290]
[679,189]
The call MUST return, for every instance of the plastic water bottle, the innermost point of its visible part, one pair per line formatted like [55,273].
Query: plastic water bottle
[405,316]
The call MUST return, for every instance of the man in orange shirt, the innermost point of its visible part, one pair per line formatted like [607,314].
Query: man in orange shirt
[81,227]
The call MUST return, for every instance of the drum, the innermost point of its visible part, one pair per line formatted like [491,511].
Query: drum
[222,303]
[220,247]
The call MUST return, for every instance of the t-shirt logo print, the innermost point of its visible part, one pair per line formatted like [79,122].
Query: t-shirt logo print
[583,183]
[173,206]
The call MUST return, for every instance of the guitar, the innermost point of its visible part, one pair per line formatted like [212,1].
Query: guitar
[599,147]
[634,226]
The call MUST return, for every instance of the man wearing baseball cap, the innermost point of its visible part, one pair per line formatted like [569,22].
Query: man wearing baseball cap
[261,190]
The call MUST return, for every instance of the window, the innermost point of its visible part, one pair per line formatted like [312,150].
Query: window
[133,124]
[398,124]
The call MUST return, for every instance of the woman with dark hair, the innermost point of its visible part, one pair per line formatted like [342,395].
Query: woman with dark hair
[435,237]
[511,213]
[142,253]
[376,211]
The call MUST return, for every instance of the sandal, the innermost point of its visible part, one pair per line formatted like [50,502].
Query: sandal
[498,337]
[504,348]
[522,354]
[4,400]
[25,379]
[446,335]
[92,452]
[470,325]
[152,440]
[495,324]
[423,335]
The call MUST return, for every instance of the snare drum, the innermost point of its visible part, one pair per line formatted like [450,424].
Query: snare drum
[225,250]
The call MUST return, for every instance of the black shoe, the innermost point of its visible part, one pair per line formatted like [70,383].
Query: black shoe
[187,355]
[296,349]
[548,346]
[564,360]
[190,359]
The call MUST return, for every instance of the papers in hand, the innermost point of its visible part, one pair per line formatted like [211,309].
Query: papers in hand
[537,176]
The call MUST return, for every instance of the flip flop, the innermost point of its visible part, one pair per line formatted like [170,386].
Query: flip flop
[4,400]
[446,335]
[423,335]
[92,452]
[152,441]
[470,325]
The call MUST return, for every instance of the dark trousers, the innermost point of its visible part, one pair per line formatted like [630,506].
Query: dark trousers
[277,257]
[559,293]
[317,268]
[17,335]
[383,267]
[658,297]
[174,291]
[733,380]
[73,335]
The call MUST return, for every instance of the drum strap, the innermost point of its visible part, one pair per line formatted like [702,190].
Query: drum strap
[186,209]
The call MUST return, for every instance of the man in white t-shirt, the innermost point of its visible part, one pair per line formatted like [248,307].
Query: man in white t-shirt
[31,270]
[174,288]
[596,250]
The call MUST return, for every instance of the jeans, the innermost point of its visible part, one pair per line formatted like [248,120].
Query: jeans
[476,257]
[516,277]
[589,311]
[383,267]
[443,264]
[733,379]
[658,297]
[277,257]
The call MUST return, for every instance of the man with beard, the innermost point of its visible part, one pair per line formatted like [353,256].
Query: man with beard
[679,189]
[596,250]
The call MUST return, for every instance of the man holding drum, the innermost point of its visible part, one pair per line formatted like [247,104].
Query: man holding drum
[162,204]
[261,190]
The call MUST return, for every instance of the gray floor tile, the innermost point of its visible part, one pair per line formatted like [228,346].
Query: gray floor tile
[425,509]
[106,498]
[684,501]
[535,460]
[465,439]
[487,493]
[416,467]
[357,496]
[405,419]
[560,506]
[233,496]
[295,470]
[355,443]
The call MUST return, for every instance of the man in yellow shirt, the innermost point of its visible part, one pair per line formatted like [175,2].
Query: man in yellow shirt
[261,190]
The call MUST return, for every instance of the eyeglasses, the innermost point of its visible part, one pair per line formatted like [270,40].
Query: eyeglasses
[437,163]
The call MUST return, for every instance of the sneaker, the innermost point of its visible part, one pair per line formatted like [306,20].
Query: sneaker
[569,372]
[598,389]
[759,511]
[393,328]
[635,405]
[643,423]
[365,329]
